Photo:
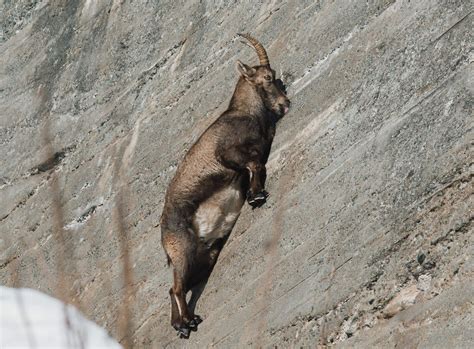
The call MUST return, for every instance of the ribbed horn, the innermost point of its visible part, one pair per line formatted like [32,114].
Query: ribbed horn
[262,54]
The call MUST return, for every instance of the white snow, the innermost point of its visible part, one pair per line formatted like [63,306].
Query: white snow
[32,319]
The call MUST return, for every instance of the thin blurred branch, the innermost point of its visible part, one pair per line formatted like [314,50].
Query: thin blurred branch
[14,266]
[62,289]
[63,253]
[26,321]
[125,318]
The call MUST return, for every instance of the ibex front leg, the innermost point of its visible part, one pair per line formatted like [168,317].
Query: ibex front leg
[246,159]
[256,195]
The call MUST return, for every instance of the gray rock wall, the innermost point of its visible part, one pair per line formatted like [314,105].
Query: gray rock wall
[366,240]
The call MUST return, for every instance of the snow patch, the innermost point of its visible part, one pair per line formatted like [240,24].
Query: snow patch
[31,319]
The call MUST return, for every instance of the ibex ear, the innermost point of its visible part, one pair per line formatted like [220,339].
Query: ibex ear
[244,70]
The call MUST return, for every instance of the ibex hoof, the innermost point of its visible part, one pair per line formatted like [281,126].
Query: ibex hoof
[183,332]
[197,319]
[193,324]
[258,199]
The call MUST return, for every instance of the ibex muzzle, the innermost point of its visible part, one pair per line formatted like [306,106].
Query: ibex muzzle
[225,167]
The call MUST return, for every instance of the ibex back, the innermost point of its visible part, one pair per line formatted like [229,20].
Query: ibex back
[225,167]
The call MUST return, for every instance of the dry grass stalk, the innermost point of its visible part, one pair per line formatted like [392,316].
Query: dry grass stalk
[14,267]
[125,318]
[63,252]
[62,283]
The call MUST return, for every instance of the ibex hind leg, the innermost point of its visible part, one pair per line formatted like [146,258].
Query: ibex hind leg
[181,251]
[178,292]
[202,268]
[175,316]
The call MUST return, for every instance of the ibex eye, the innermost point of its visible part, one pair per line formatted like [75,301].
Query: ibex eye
[268,77]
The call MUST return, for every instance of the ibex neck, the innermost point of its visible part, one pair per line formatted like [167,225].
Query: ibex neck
[246,99]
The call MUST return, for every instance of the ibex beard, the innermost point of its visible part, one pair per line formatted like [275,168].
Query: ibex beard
[225,167]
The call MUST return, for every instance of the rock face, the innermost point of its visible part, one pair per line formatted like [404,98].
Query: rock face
[366,239]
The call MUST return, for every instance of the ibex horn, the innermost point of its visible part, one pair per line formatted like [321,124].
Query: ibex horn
[262,54]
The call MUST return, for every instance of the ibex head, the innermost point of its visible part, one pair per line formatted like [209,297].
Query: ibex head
[262,78]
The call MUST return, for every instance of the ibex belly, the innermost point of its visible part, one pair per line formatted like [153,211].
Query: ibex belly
[216,216]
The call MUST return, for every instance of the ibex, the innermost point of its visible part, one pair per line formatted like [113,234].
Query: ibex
[225,167]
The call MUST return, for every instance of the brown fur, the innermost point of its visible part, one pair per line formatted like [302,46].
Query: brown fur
[225,166]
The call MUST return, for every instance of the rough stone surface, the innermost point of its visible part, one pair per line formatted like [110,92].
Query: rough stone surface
[370,175]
